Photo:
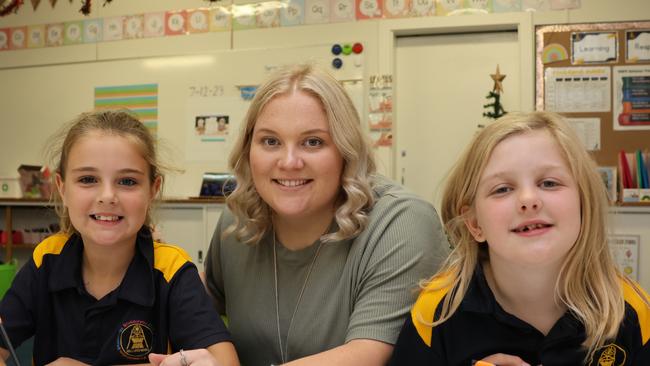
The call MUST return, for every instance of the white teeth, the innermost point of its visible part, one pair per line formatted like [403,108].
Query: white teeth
[292,183]
[106,218]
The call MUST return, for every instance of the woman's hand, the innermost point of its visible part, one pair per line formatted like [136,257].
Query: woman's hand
[501,359]
[197,357]
[65,361]
[219,354]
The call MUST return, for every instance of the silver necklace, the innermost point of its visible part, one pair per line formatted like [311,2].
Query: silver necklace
[284,351]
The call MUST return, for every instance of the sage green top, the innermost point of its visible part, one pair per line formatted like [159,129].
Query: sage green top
[361,288]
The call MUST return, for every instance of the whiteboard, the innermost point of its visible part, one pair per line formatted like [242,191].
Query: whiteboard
[36,101]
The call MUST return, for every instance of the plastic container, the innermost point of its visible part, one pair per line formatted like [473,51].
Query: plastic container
[16,237]
[7,274]
[10,187]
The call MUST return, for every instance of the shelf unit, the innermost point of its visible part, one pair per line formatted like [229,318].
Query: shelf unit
[11,203]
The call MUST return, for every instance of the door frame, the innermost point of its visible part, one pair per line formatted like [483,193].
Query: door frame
[522,23]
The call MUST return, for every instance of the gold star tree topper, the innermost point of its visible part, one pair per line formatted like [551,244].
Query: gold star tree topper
[498,78]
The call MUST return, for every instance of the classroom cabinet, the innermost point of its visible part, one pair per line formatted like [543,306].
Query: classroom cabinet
[25,223]
[187,223]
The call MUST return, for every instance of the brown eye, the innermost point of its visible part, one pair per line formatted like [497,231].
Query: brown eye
[87,180]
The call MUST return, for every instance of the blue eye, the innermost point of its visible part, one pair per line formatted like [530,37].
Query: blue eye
[313,142]
[87,180]
[549,184]
[127,182]
[270,141]
[502,190]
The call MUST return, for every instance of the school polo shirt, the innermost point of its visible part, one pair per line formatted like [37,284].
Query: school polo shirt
[160,304]
[480,327]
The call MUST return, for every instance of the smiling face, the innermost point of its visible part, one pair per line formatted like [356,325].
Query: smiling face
[295,166]
[527,205]
[107,189]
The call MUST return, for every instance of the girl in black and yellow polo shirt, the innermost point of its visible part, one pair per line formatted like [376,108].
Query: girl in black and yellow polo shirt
[102,292]
[531,280]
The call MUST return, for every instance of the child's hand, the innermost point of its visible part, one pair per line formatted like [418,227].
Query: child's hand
[501,359]
[197,357]
[65,361]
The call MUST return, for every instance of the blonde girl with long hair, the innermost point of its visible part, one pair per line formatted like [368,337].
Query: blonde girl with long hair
[530,280]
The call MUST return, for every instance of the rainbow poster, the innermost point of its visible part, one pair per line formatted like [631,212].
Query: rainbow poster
[141,99]
[554,52]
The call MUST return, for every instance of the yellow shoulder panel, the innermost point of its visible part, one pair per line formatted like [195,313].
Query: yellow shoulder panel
[425,307]
[168,259]
[51,245]
[639,300]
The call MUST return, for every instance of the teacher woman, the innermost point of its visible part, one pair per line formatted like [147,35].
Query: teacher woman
[317,259]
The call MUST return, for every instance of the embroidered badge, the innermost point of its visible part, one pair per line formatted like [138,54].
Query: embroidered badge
[609,355]
[135,339]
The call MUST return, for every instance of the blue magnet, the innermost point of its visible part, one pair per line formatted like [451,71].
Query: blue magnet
[337,63]
[336,49]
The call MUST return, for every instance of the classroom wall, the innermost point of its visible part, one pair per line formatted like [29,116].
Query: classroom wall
[378,54]
[21,113]
[299,36]
[376,35]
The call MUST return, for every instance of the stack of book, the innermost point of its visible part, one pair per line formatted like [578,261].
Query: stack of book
[633,170]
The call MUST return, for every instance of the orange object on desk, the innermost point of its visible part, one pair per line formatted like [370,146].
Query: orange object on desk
[483,363]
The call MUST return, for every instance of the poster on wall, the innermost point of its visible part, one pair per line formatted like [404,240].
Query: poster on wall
[211,122]
[625,250]
[141,99]
[380,108]
[577,89]
[212,127]
[638,46]
[594,47]
[588,130]
[631,85]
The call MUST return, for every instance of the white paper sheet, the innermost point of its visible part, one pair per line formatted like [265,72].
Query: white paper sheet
[577,89]
[588,130]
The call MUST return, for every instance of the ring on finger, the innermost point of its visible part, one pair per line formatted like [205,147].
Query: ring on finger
[183,358]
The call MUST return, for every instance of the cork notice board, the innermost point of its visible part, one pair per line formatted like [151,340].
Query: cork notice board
[581,70]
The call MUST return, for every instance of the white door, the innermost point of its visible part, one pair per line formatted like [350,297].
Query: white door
[441,82]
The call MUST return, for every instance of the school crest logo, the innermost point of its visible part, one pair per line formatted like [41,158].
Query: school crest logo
[609,355]
[135,339]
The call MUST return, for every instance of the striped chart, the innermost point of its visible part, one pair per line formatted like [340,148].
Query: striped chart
[140,99]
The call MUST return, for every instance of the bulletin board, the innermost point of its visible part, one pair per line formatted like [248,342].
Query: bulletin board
[580,72]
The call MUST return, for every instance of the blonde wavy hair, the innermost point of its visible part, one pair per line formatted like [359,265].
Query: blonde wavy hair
[112,122]
[588,283]
[252,214]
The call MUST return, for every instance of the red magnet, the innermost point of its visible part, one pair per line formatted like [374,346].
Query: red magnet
[357,48]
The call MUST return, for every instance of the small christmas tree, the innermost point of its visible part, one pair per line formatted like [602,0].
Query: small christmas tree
[495,109]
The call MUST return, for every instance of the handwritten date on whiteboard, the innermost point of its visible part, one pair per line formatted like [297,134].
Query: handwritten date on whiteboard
[205,91]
